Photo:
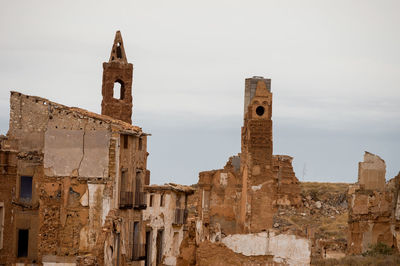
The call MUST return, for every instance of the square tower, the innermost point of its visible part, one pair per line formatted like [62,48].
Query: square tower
[117,83]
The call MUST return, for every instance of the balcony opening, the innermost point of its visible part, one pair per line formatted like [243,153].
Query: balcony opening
[126,196]
[23,240]
[25,190]
[136,248]
[140,196]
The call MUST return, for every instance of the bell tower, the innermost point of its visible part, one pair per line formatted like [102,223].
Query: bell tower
[258,185]
[117,83]
[257,126]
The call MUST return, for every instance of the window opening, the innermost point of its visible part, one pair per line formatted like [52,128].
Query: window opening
[162,200]
[260,110]
[23,239]
[139,196]
[118,90]
[124,180]
[178,201]
[25,192]
[119,51]
[126,139]
[151,200]
[140,144]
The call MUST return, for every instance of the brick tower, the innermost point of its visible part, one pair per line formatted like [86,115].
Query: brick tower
[117,83]
[259,187]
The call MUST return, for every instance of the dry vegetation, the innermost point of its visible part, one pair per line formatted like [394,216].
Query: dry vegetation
[381,260]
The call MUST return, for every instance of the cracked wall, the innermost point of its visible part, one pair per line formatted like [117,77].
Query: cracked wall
[75,162]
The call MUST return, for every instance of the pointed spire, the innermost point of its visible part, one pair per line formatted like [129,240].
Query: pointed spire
[118,50]
[261,89]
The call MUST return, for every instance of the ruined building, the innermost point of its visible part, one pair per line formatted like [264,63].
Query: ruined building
[236,204]
[75,190]
[374,207]
[165,219]
[72,181]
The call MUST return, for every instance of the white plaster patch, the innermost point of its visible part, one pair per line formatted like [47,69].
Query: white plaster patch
[106,209]
[223,179]
[255,188]
[95,211]
[85,199]
[288,249]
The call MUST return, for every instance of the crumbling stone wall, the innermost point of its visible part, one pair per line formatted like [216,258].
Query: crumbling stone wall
[288,188]
[243,197]
[219,197]
[75,165]
[371,203]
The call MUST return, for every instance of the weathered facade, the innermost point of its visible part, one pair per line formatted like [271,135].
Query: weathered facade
[236,204]
[72,181]
[165,219]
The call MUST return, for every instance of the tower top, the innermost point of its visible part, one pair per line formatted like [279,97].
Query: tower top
[251,85]
[118,50]
[261,89]
[117,83]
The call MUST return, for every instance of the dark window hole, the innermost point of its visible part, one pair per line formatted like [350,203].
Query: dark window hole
[260,110]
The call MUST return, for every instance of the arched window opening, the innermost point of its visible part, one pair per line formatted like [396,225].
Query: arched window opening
[118,90]
[119,52]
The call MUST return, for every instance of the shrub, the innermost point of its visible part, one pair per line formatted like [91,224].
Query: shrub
[378,249]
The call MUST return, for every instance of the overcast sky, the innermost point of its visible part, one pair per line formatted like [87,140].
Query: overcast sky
[334,65]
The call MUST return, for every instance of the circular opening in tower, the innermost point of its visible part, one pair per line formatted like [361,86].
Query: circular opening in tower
[260,110]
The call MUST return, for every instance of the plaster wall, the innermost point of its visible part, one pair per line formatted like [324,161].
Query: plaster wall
[159,217]
[287,249]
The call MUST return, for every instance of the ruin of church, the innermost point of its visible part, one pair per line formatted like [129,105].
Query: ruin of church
[72,189]
[236,205]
